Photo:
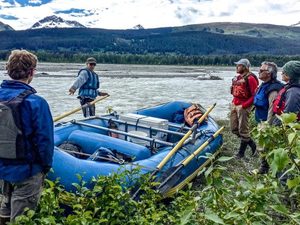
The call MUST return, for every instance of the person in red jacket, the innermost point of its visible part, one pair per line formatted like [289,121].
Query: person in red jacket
[243,89]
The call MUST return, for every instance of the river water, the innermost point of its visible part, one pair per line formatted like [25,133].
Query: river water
[135,86]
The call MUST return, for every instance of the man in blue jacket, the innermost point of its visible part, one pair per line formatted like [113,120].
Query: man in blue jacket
[88,84]
[26,155]
[263,100]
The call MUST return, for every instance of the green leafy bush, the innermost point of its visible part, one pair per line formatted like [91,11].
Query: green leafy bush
[225,198]
[257,199]
[109,202]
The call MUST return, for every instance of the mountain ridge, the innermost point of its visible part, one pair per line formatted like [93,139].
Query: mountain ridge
[5,27]
[56,22]
[143,41]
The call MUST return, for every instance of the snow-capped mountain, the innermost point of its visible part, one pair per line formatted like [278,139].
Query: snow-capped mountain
[138,27]
[56,22]
[4,26]
[296,24]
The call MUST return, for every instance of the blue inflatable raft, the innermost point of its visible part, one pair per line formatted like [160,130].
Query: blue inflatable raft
[102,145]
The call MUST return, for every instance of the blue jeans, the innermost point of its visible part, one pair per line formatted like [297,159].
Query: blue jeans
[21,195]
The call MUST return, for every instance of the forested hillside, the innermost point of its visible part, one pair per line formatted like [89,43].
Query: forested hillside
[189,41]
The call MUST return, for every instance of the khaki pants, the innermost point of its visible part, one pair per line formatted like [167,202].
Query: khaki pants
[21,195]
[239,121]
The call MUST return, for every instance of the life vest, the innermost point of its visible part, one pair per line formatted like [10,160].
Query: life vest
[192,114]
[261,99]
[12,143]
[240,86]
[89,88]
[279,102]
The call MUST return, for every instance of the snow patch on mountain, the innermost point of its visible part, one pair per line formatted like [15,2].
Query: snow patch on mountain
[138,27]
[56,22]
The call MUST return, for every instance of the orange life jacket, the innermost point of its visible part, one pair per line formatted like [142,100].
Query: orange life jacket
[240,86]
[191,114]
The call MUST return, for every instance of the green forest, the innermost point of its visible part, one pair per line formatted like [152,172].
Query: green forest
[180,46]
[155,59]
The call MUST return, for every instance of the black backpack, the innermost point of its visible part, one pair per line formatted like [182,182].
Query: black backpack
[12,144]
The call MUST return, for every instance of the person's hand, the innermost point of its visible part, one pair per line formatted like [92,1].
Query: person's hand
[102,93]
[71,91]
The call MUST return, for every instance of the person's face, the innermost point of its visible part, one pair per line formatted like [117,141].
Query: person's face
[240,69]
[264,74]
[91,66]
[285,77]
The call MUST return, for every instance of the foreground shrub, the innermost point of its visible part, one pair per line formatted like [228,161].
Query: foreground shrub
[109,202]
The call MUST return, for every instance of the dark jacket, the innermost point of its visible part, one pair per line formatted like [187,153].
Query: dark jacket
[38,130]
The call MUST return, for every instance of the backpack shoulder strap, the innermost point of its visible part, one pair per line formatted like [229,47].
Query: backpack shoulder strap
[22,96]
[246,77]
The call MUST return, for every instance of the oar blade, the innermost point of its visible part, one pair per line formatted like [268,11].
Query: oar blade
[169,179]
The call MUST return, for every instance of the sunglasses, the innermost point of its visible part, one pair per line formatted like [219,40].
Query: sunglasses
[92,64]
[261,71]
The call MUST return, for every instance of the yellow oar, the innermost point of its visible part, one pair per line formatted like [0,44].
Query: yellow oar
[186,161]
[55,119]
[183,139]
[177,146]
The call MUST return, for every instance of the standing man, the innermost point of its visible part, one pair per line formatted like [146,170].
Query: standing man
[88,84]
[267,92]
[243,88]
[264,98]
[26,137]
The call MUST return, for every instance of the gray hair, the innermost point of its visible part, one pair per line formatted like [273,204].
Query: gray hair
[272,68]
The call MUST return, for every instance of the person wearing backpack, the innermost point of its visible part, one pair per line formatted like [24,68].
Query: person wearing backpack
[88,84]
[26,138]
[264,98]
[243,89]
[288,99]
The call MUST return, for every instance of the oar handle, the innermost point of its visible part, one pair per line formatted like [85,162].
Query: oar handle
[189,158]
[186,136]
[55,119]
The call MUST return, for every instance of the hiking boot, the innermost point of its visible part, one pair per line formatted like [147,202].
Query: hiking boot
[242,149]
[252,145]
[264,167]
[4,220]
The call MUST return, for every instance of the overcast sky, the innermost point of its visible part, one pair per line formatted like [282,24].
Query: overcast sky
[122,14]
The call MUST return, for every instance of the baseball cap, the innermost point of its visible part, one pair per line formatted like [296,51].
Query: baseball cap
[244,62]
[91,60]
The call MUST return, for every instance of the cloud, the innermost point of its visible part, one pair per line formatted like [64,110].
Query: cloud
[123,14]
[187,14]
[75,12]
[8,17]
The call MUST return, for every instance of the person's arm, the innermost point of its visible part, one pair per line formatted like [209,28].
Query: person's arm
[80,80]
[43,133]
[292,100]
[252,86]
[271,97]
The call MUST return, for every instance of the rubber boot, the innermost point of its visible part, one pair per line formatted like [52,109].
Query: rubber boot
[252,145]
[264,166]
[4,220]
[242,149]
